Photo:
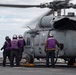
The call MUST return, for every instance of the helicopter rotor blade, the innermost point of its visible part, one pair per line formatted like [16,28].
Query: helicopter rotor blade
[18,6]
[50,29]
[36,20]
[35,31]
[49,12]
[52,5]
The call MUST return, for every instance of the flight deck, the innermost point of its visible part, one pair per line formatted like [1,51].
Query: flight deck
[38,69]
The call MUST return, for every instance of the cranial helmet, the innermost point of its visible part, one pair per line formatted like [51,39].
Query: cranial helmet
[7,37]
[50,35]
[14,36]
[20,36]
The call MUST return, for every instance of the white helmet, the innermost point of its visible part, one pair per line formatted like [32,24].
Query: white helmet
[50,34]
[20,36]
[14,36]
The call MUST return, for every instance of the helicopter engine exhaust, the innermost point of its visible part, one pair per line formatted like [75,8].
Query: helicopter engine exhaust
[65,23]
[57,23]
[61,24]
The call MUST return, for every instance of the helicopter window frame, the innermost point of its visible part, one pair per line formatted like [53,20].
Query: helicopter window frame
[28,41]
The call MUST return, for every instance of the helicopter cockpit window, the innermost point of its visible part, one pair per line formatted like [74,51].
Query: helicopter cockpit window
[65,24]
[71,14]
[28,42]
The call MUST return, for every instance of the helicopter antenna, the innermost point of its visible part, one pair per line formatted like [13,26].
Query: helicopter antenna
[67,1]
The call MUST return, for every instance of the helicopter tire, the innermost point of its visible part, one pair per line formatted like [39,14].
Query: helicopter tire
[71,61]
[29,58]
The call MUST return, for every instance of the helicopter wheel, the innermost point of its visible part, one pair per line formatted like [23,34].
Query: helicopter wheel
[29,58]
[71,61]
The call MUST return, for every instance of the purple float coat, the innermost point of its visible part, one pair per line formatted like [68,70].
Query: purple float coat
[51,43]
[14,44]
[21,41]
[8,47]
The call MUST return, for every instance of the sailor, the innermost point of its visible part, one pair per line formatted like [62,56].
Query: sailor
[14,51]
[7,49]
[21,47]
[50,48]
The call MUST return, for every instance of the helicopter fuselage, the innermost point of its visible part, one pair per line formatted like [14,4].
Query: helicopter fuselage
[64,31]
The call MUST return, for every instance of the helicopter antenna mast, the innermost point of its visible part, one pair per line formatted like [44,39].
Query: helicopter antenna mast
[64,11]
[58,12]
[66,2]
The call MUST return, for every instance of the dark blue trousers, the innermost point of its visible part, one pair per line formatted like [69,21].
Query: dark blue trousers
[51,54]
[14,54]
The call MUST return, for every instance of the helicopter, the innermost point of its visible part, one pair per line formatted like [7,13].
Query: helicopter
[62,27]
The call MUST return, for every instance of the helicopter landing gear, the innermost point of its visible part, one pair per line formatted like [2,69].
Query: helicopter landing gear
[71,61]
[29,59]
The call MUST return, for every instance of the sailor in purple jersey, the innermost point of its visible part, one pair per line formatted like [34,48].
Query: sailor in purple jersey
[14,51]
[50,48]
[21,48]
[7,49]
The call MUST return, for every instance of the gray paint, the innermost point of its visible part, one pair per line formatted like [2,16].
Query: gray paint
[67,37]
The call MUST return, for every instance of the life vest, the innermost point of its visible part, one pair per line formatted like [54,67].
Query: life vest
[14,44]
[51,43]
[8,47]
[21,41]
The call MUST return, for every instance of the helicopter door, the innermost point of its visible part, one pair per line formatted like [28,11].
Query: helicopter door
[36,47]
[39,44]
[43,37]
[71,43]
